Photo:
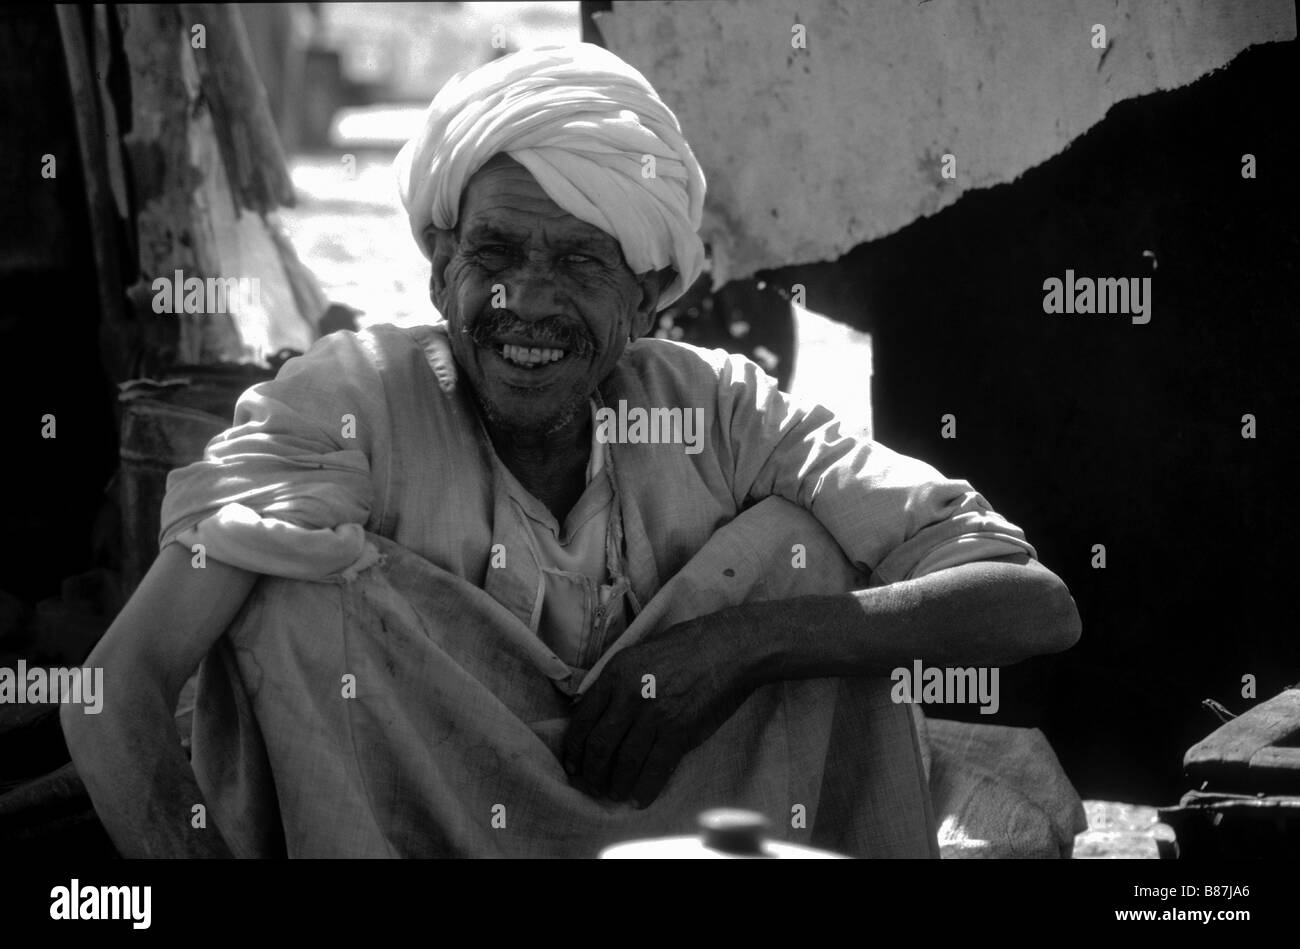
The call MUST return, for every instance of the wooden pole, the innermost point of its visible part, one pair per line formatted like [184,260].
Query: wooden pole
[249,143]
[116,335]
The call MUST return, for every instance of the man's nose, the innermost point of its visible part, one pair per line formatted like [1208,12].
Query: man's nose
[531,291]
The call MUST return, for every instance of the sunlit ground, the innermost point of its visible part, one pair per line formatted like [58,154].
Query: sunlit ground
[349,229]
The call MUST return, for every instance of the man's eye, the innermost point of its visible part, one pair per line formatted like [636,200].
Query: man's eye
[579,259]
[493,256]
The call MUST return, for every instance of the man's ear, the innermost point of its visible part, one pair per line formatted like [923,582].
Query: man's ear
[653,283]
[441,246]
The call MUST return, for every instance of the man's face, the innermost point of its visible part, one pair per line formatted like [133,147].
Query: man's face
[540,304]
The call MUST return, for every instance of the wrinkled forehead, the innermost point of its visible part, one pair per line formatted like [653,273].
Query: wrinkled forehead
[504,200]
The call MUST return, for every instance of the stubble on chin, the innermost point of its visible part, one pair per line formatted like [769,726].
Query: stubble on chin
[574,407]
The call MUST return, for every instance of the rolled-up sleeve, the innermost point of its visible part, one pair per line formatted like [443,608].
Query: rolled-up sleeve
[287,488]
[895,517]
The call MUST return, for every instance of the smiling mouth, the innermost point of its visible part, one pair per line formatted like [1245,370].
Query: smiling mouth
[529,357]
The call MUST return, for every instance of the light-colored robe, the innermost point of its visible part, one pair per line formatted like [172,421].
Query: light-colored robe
[448,746]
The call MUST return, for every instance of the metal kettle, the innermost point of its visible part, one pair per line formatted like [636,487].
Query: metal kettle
[725,833]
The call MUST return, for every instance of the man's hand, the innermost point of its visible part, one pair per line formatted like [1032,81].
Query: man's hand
[629,731]
[622,742]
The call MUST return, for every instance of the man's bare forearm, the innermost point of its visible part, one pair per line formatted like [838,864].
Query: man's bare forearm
[129,755]
[138,778]
[991,613]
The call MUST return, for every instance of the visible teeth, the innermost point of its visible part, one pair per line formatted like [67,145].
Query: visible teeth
[530,356]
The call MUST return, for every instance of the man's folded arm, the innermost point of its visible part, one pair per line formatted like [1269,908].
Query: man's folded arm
[129,755]
[952,581]
[986,613]
[285,491]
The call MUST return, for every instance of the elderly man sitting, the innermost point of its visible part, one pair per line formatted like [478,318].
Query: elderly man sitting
[440,606]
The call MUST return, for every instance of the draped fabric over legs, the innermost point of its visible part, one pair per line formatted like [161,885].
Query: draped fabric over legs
[448,747]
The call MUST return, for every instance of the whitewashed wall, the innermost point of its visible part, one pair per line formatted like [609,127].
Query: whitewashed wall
[812,151]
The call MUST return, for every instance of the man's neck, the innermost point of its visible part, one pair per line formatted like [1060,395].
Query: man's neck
[551,467]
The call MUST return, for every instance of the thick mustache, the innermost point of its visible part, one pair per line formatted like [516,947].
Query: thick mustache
[553,331]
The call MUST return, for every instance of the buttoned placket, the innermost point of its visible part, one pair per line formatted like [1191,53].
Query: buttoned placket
[511,587]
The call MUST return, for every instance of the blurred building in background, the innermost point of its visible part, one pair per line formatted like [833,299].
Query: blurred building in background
[360,62]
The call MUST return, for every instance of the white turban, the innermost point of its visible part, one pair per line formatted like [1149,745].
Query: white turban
[583,122]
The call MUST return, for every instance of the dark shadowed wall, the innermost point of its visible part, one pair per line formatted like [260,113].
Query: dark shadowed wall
[1091,430]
